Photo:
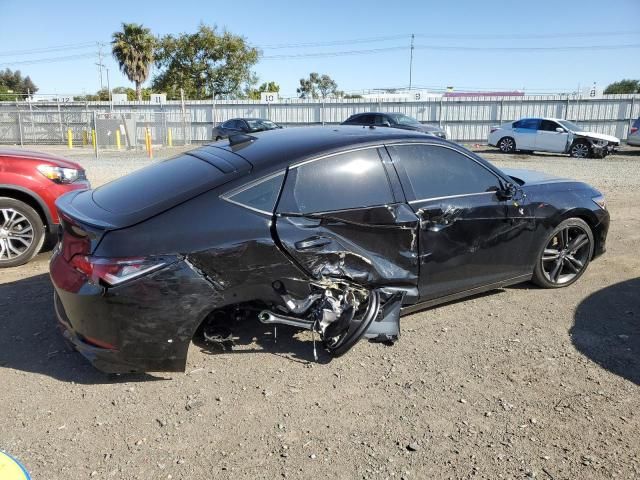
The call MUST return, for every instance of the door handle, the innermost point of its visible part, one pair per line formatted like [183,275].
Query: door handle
[312,242]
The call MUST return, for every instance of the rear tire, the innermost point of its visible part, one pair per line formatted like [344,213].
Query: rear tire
[580,149]
[565,255]
[21,232]
[507,145]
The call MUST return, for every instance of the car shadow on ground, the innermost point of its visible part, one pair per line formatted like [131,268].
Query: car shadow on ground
[31,342]
[251,336]
[607,329]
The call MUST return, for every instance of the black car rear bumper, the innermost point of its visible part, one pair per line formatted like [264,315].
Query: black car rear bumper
[145,325]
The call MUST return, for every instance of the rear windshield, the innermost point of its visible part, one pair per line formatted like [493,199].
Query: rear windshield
[637,123]
[160,185]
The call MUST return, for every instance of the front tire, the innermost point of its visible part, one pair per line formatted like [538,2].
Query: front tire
[21,232]
[507,145]
[580,149]
[565,255]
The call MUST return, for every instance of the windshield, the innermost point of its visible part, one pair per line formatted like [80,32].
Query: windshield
[255,124]
[402,119]
[570,126]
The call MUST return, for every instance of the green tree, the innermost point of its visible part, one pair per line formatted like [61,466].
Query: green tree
[204,63]
[13,86]
[309,86]
[623,86]
[254,94]
[318,86]
[133,49]
[130,92]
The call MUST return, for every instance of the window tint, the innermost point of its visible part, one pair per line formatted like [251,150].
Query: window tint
[381,119]
[228,124]
[435,171]
[366,119]
[527,123]
[349,180]
[637,123]
[548,126]
[261,196]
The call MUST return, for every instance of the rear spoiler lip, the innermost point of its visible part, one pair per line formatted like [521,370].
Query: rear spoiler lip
[65,207]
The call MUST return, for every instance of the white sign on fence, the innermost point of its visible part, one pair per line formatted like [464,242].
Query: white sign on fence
[158,98]
[269,97]
[118,97]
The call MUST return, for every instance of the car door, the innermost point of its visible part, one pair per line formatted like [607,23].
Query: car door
[525,132]
[470,235]
[342,217]
[548,139]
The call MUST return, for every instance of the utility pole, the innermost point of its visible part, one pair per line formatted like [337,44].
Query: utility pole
[109,88]
[411,61]
[100,64]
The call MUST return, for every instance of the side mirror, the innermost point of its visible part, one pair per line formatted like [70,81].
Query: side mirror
[559,129]
[506,193]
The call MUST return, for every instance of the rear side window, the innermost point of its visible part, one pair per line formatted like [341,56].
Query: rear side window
[435,171]
[637,123]
[527,124]
[340,182]
[260,196]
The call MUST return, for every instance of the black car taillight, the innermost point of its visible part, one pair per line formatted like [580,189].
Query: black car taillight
[115,271]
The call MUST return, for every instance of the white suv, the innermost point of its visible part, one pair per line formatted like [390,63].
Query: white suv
[551,135]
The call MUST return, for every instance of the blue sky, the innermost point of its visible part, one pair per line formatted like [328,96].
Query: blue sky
[42,24]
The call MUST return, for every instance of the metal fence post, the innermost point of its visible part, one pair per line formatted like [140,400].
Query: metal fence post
[20,129]
[166,132]
[94,135]
[631,117]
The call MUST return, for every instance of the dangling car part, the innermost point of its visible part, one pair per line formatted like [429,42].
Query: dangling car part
[341,314]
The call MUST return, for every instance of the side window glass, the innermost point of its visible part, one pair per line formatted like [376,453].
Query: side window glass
[527,123]
[260,196]
[380,119]
[227,124]
[548,126]
[367,119]
[435,171]
[340,182]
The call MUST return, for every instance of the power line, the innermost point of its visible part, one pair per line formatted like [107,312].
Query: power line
[492,36]
[49,60]
[331,43]
[58,48]
[449,36]
[451,48]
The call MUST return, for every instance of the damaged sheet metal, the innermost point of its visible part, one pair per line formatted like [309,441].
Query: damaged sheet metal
[372,247]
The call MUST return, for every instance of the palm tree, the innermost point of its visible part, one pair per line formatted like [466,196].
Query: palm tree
[133,50]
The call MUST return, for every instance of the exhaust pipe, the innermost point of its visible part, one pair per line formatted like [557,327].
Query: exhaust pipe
[267,317]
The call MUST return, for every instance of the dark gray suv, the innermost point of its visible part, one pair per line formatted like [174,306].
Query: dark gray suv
[394,120]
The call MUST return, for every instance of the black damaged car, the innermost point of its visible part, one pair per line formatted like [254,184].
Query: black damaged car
[335,230]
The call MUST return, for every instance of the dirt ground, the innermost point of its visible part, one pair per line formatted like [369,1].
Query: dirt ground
[518,383]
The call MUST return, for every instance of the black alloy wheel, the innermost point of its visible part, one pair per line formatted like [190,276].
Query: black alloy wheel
[566,254]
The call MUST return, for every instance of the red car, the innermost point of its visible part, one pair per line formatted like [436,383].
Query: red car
[30,183]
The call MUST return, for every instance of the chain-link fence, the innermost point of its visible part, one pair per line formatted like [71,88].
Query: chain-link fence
[96,130]
[96,124]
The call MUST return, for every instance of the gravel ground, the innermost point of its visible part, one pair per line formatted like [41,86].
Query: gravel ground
[518,383]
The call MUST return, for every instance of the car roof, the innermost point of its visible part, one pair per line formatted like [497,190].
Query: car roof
[275,149]
[541,118]
[377,113]
[248,118]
